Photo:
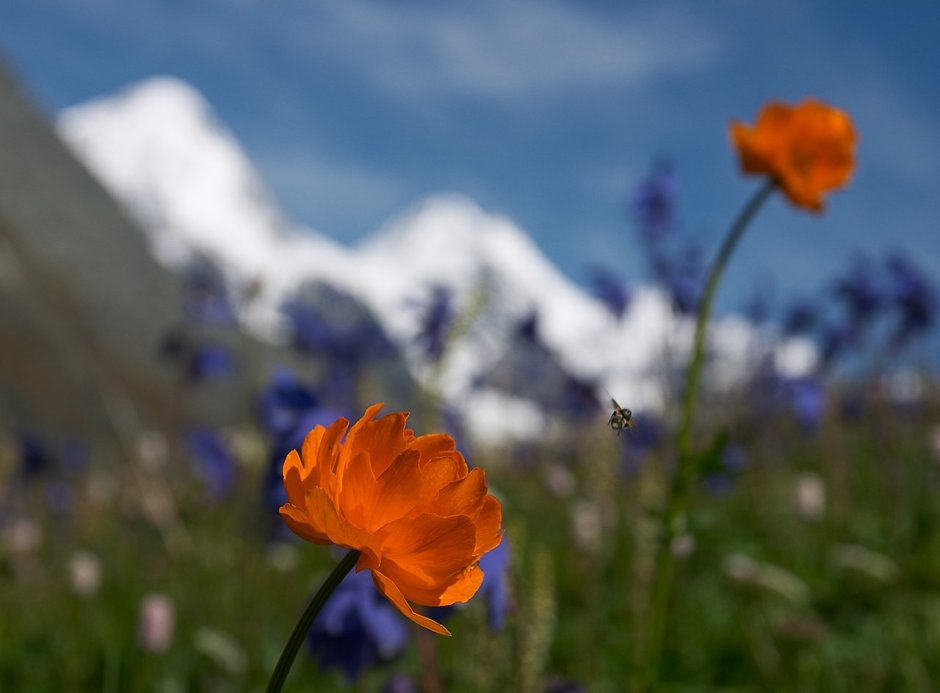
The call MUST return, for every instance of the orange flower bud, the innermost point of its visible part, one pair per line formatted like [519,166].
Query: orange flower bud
[809,149]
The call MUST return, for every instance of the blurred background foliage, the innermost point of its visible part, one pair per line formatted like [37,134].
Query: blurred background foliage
[810,561]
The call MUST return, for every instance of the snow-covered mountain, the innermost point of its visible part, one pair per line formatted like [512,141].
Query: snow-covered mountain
[160,150]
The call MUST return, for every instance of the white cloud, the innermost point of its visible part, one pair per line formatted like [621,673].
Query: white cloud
[501,49]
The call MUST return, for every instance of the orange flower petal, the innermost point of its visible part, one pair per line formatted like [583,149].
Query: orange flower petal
[366,418]
[394,491]
[461,589]
[433,444]
[328,456]
[309,451]
[437,473]
[808,149]
[384,439]
[358,491]
[320,508]
[293,483]
[488,524]
[394,595]
[429,547]
[462,497]
[300,524]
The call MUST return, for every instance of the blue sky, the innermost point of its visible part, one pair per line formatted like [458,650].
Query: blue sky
[543,110]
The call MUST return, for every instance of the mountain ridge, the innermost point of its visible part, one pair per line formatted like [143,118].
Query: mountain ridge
[212,201]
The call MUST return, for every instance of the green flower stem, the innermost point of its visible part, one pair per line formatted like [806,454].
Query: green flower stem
[677,500]
[310,614]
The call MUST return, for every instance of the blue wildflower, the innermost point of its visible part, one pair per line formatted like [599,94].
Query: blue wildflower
[683,279]
[329,323]
[338,331]
[807,401]
[653,203]
[288,409]
[75,456]
[212,461]
[400,683]
[645,434]
[35,458]
[357,628]
[495,587]
[435,322]
[838,340]
[609,291]
[209,361]
[732,461]
[198,361]
[311,333]
[206,298]
[801,317]
[60,496]
[757,307]
[860,292]
[578,398]
[528,327]
[284,401]
[686,294]
[913,296]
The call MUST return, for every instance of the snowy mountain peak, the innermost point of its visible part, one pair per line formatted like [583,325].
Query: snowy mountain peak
[166,97]
[449,239]
[159,148]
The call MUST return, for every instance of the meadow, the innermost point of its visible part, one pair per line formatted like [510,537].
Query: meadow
[785,538]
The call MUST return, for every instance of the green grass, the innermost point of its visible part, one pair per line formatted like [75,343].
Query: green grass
[846,601]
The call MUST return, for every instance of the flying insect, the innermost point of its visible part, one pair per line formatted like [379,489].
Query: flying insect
[621,417]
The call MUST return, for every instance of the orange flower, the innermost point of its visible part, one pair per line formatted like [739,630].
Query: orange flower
[420,517]
[809,149]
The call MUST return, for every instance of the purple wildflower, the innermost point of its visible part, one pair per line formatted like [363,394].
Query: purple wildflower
[645,434]
[35,458]
[209,361]
[860,292]
[284,401]
[206,298]
[652,203]
[495,588]
[683,278]
[732,461]
[913,296]
[609,291]
[807,400]
[400,683]
[800,318]
[838,340]
[212,461]
[436,319]
[198,361]
[288,409]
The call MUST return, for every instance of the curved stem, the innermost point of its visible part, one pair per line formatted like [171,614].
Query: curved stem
[306,620]
[685,473]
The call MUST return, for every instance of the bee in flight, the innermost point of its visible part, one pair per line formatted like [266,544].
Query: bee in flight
[621,418]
